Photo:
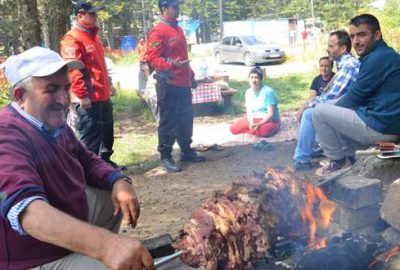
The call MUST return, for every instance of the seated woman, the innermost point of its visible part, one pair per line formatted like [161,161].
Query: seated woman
[262,113]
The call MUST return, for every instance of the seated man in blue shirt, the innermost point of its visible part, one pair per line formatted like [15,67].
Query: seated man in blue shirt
[339,48]
[370,110]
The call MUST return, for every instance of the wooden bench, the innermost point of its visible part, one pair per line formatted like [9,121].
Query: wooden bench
[227,95]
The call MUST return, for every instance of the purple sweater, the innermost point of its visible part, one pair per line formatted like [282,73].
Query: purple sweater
[34,163]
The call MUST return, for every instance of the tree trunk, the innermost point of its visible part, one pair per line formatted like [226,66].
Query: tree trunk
[56,21]
[29,23]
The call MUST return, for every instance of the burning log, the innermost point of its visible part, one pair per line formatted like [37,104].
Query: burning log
[237,227]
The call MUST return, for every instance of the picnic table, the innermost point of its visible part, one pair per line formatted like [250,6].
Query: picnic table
[212,92]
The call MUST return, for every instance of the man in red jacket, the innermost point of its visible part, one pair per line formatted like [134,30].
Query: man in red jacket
[168,53]
[91,86]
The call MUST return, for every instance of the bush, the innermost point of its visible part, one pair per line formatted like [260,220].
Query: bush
[121,57]
[4,97]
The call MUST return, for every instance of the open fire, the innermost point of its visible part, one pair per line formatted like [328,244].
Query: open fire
[315,198]
[270,212]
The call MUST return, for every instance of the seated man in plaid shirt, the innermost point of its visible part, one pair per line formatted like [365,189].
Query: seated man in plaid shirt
[339,47]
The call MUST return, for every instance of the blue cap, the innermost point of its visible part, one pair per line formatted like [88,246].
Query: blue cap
[162,3]
[85,6]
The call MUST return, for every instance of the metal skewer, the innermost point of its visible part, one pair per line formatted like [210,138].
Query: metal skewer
[167,259]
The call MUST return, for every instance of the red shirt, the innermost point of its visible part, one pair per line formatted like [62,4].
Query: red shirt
[167,42]
[83,43]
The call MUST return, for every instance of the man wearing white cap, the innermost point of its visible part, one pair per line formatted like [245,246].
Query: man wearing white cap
[52,187]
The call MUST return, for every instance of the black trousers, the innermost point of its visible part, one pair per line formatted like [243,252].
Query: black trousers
[176,120]
[96,128]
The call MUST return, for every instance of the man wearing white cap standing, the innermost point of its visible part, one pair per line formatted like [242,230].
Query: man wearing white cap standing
[52,187]
[91,86]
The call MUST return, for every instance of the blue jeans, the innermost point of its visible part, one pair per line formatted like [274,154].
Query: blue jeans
[306,138]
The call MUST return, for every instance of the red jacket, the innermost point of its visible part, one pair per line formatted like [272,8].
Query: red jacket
[83,43]
[167,42]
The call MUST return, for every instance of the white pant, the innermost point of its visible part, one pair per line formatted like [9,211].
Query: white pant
[100,214]
[341,132]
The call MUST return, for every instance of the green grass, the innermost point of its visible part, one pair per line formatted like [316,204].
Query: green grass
[291,90]
[137,151]
[127,101]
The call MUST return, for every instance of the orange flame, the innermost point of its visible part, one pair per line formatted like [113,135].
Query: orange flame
[385,257]
[326,208]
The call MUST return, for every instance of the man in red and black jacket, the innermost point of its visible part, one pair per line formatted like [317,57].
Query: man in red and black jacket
[168,53]
[91,86]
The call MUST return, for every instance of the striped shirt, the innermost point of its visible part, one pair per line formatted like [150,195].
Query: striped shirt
[348,68]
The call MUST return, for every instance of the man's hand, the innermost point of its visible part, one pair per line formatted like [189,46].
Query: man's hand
[125,253]
[255,126]
[85,103]
[178,62]
[124,199]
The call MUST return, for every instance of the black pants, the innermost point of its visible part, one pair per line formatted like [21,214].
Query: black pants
[176,120]
[96,128]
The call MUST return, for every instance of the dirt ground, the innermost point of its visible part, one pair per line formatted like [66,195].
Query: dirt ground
[168,199]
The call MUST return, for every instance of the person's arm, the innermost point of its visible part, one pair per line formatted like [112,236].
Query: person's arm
[71,50]
[267,118]
[270,101]
[311,96]
[115,251]
[371,77]
[249,110]
[155,51]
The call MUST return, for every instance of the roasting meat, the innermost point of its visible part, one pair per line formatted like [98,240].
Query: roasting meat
[236,227]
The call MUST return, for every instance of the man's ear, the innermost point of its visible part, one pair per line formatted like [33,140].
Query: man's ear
[378,35]
[18,94]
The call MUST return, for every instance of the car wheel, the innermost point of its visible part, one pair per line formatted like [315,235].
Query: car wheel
[218,58]
[248,59]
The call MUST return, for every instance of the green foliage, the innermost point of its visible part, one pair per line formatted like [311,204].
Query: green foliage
[389,19]
[4,97]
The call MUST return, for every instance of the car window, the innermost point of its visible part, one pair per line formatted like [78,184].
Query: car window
[237,41]
[227,41]
[252,40]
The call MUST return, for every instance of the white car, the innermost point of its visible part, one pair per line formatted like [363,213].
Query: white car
[249,50]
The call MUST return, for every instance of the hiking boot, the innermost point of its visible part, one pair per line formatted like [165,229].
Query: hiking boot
[331,166]
[303,167]
[169,164]
[192,156]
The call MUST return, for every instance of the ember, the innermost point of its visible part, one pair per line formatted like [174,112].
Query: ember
[236,228]
[385,257]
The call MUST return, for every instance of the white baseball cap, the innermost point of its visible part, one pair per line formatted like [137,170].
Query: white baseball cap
[36,62]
